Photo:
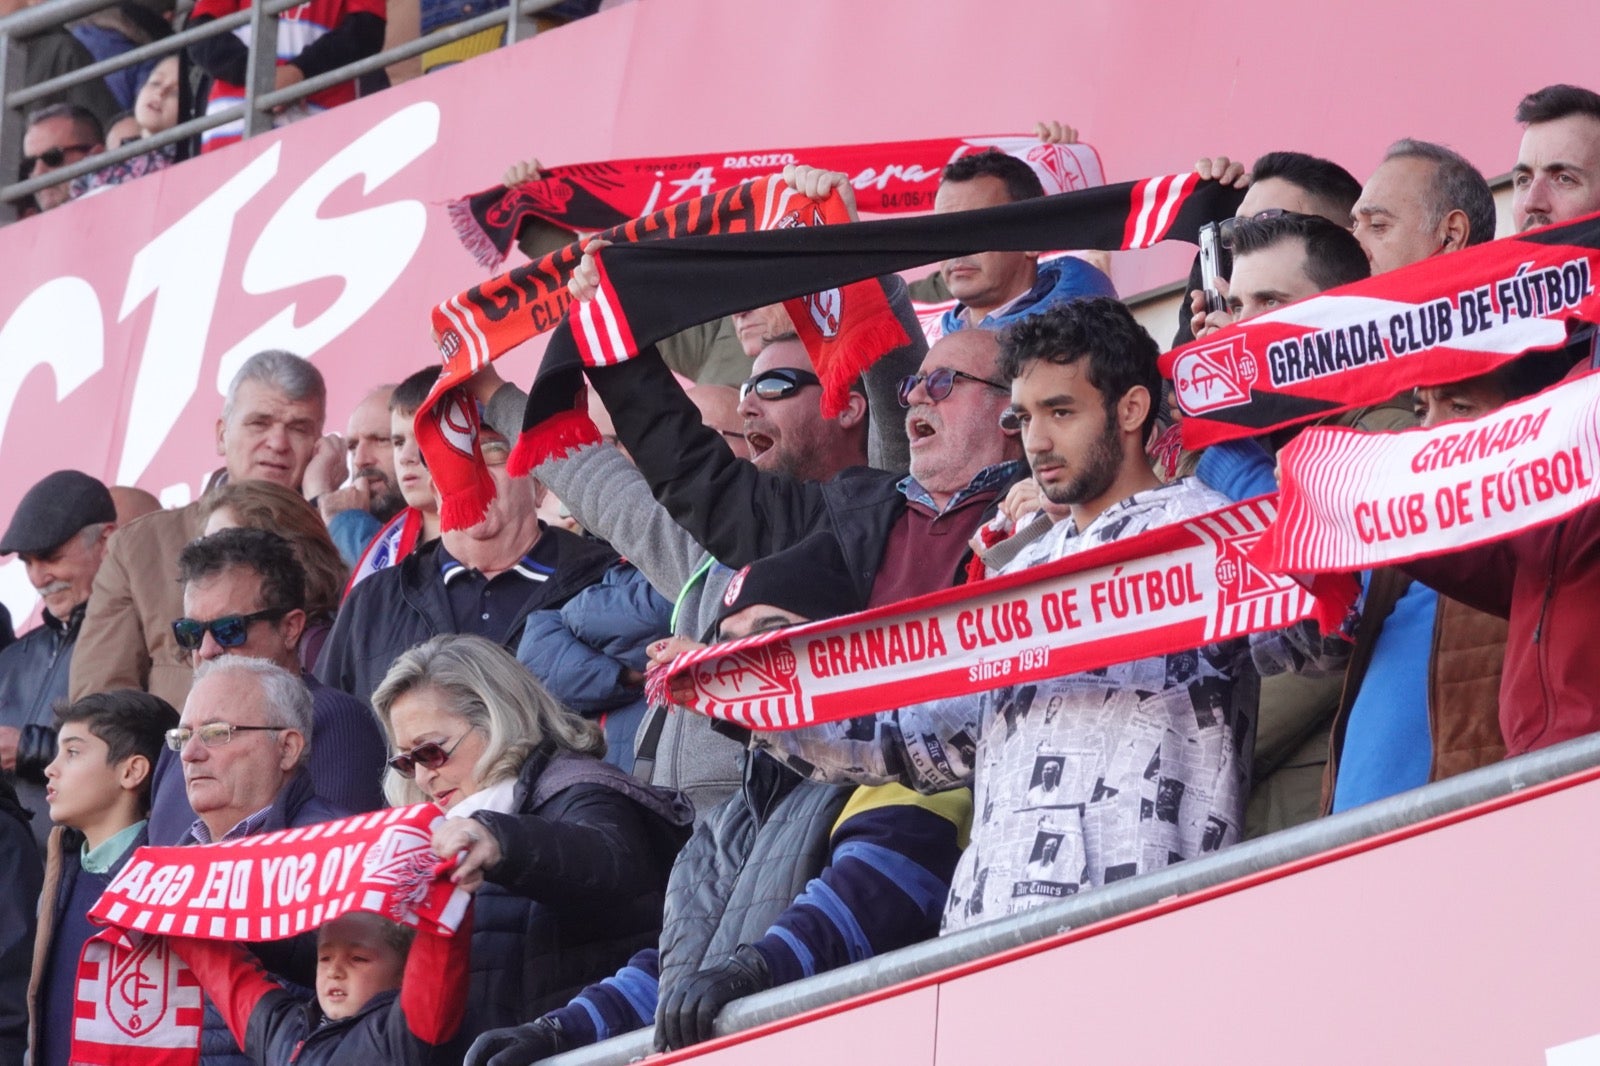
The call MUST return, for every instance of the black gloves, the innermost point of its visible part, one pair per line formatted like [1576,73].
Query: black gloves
[686,1014]
[519,1045]
[36,749]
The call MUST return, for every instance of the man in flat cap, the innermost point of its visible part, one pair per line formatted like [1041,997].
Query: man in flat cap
[60,531]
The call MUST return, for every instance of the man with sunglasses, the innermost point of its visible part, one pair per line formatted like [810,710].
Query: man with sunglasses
[270,423]
[58,135]
[243,741]
[244,595]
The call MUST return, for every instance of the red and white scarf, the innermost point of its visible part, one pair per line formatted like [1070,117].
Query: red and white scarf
[138,1004]
[388,546]
[1356,500]
[1442,320]
[1179,586]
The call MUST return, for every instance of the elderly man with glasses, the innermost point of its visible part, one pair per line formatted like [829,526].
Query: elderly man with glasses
[243,596]
[244,741]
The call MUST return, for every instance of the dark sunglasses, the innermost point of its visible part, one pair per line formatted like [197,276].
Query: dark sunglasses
[940,384]
[53,157]
[430,756]
[229,631]
[779,383]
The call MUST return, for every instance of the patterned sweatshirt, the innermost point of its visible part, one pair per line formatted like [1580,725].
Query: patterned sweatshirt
[1079,780]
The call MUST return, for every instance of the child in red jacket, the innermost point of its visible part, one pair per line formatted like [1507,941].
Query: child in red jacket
[385,994]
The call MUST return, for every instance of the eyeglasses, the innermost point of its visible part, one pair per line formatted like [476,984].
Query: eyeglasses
[940,383]
[52,157]
[431,755]
[779,383]
[214,734]
[229,631]
[1229,226]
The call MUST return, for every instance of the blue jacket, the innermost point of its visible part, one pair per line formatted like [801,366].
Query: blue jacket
[1060,280]
[581,650]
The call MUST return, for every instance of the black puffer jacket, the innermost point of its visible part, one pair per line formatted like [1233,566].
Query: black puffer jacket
[579,890]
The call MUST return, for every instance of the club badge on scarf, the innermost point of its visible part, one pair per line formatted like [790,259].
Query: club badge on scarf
[388,546]
[1356,500]
[845,328]
[1172,588]
[889,178]
[138,1003]
[1444,319]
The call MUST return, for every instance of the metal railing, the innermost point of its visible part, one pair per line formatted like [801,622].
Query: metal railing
[261,99]
[1110,901]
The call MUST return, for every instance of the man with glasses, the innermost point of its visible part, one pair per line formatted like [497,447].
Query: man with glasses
[1128,775]
[244,740]
[780,404]
[59,533]
[243,596]
[58,135]
[485,579]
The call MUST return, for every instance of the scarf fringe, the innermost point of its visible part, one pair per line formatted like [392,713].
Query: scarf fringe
[555,438]
[467,507]
[869,342]
[472,236]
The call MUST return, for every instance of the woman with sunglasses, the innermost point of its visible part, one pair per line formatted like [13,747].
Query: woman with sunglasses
[574,852]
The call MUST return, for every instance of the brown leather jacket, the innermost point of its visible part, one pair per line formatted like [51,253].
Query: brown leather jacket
[1464,666]
[126,640]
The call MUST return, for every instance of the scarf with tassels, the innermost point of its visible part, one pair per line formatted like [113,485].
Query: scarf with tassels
[851,323]
[889,178]
[651,290]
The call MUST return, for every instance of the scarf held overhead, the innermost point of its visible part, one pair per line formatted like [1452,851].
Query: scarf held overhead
[1442,320]
[1357,500]
[852,321]
[1170,589]
[889,178]
[138,1003]
[650,291]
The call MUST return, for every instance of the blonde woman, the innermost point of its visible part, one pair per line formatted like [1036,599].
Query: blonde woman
[574,853]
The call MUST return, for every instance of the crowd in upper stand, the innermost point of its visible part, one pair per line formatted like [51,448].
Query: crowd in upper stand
[304,641]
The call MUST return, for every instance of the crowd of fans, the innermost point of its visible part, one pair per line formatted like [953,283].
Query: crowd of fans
[304,641]
[152,96]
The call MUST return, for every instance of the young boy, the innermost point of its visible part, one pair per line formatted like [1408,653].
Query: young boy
[381,998]
[98,791]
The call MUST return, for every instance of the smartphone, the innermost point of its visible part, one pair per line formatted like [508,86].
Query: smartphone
[1211,266]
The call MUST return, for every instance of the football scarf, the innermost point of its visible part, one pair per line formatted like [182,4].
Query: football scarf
[137,1002]
[388,546]
[1177,587]
[853,323]
[1355,500]
[890,178]
[651,290]
[1445,319]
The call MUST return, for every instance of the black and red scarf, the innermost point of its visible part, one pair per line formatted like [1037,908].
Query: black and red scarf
[889,178]
[650,291]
